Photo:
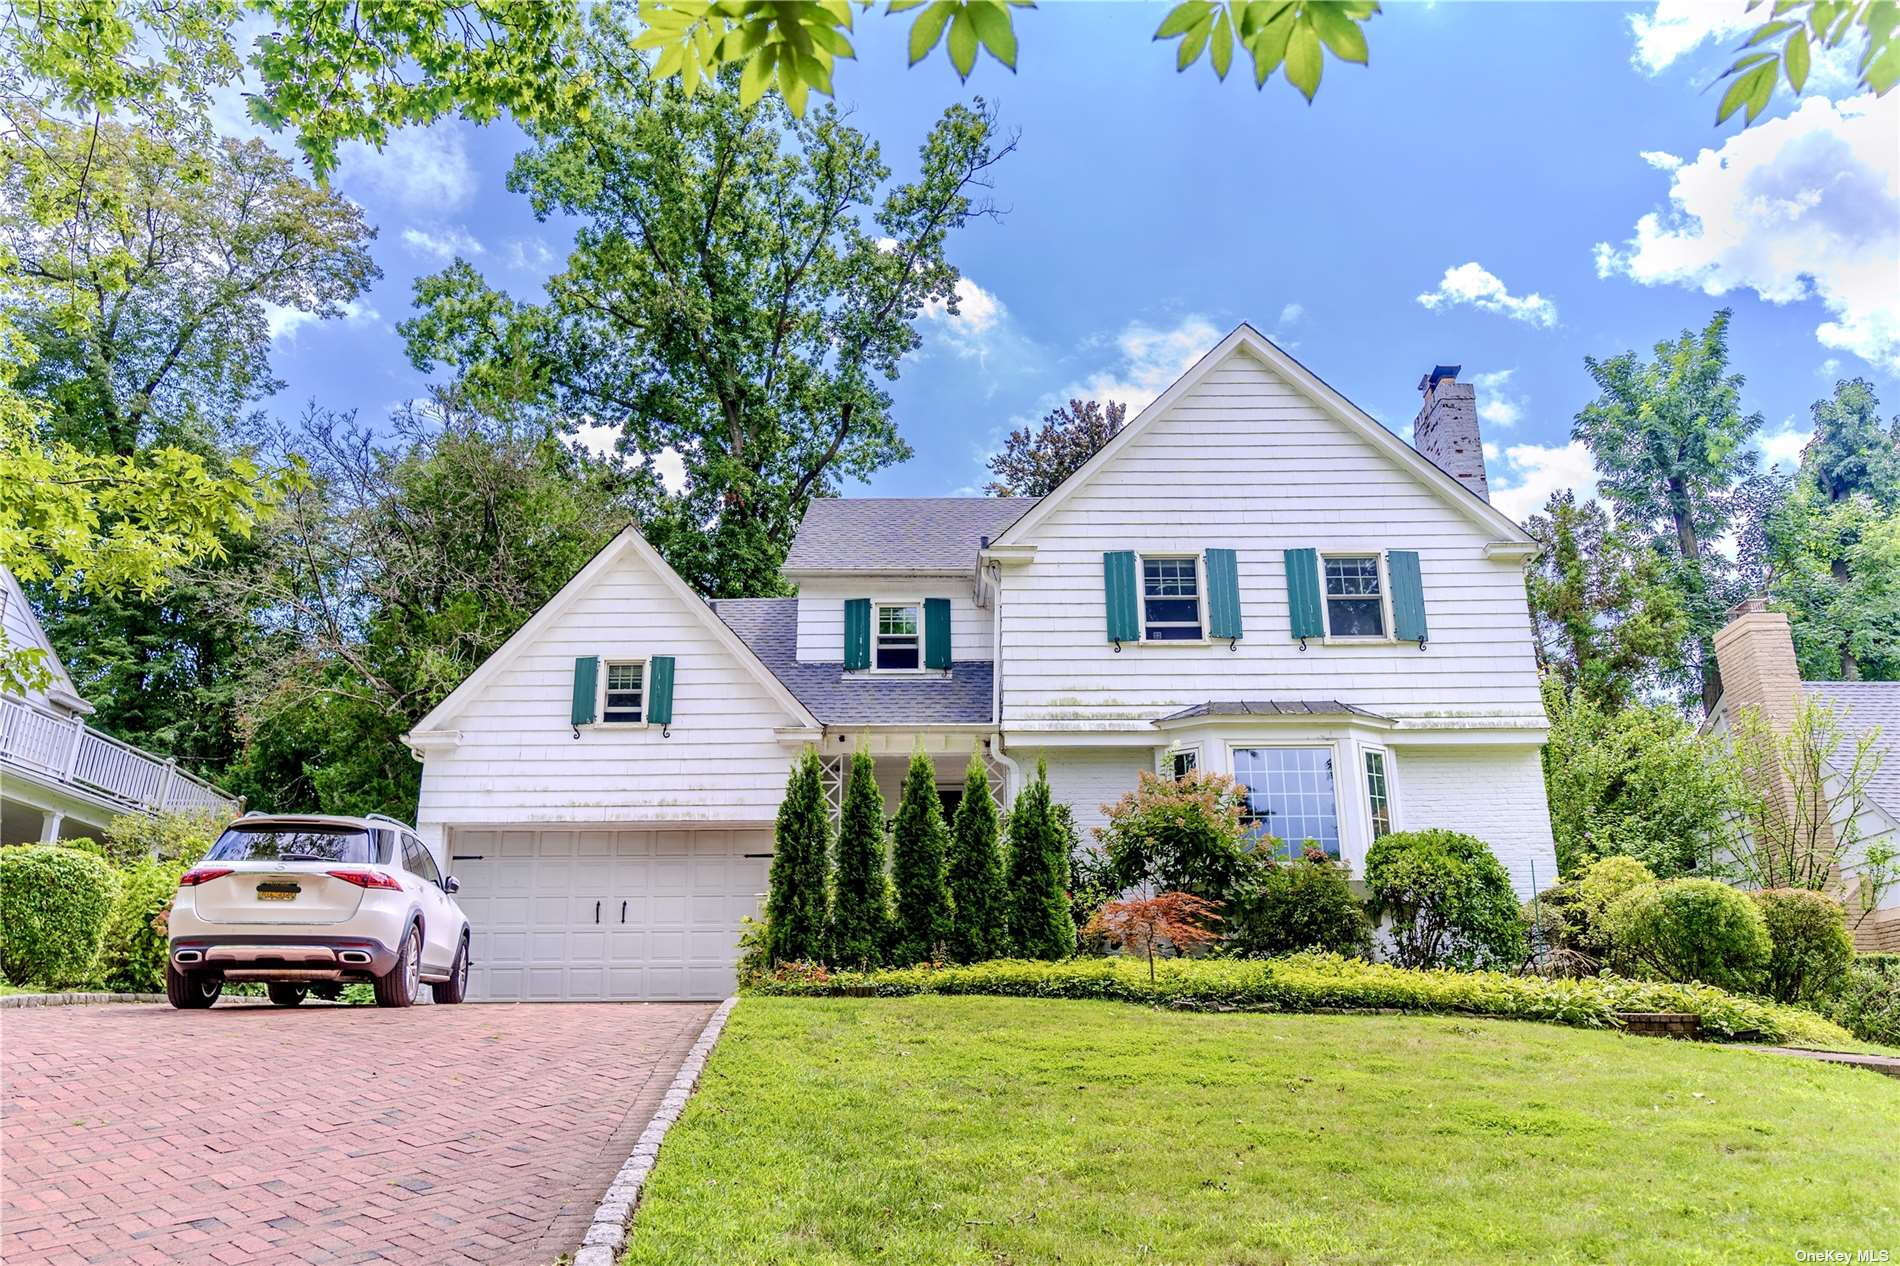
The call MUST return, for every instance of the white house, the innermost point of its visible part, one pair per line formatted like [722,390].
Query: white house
[1252,577]
[61,778]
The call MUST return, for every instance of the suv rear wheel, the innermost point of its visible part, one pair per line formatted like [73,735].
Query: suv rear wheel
[455,988]
[191,991]
[398,986]
[285,995]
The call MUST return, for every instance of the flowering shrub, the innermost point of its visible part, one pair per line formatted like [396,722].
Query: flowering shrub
[1179,835]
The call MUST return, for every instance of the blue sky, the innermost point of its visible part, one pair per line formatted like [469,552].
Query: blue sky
[1509,187]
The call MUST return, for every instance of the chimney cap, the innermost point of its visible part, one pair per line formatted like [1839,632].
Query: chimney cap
[1438,374]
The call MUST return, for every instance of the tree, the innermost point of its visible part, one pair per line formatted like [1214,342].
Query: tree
[1671,442]
[738,294]
[795,906]
[1804,791]
[978,898]
[1031,465]
[919,846]
[1040,844]
[1607,623]
[860,902]
[1179,835]
[1180,920]
[1637,781]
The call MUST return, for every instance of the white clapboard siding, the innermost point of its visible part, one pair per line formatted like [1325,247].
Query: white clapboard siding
[821,612]
[1246,462]
[518,761]
[23,632]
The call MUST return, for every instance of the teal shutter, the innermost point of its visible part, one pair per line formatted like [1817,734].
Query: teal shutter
[660,690]
[586,677]
[857,634]
[1408,596]
[1223,594]
[1302,593]
[1118,589]
[937,633]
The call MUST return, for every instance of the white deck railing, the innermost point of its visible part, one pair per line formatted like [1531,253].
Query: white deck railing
[68,750]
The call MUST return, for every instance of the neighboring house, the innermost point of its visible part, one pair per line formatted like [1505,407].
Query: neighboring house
[1252,577]
[59,777]
[1755,652]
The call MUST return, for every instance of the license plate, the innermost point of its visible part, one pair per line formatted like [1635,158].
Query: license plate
[277,892]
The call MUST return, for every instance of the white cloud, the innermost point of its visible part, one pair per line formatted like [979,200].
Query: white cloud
[1783,447]
[978,317]
[422,169]
[1495,404]
[1805,206]
[285,322]
[1292,314]
[1661,160]
[1532,472]
[443,244]
[1829,367]
[1491,451]
[1146,363]
[530,255]
[1471,283]
[1676,28]
[600,439]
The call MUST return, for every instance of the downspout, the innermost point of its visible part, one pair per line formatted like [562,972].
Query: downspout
[1015,771]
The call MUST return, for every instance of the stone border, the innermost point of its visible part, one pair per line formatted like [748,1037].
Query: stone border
[74,999]
[608,1232]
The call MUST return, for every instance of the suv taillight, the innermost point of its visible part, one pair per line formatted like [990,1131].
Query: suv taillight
[202,875]
[366,879]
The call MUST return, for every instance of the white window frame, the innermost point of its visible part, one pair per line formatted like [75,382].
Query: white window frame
[1391,788]
[878,605]
[1385,601]
[600,691]
[1200,596]
[1329,745]
[1164,760]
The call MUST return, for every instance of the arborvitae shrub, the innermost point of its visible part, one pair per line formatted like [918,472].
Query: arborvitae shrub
[979,927]
[860,902]
[1040,840]
[920,844]
[795,905]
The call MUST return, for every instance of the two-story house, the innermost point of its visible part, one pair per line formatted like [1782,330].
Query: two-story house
[1252,577]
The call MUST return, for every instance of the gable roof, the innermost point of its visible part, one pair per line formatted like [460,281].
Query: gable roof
[16,610]
[770,627]
[906,535]
[1244,338]
[629,541]
[1863,707]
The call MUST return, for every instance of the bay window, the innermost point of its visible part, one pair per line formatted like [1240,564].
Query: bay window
[1290,796]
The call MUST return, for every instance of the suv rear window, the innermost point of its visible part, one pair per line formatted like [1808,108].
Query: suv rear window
[296,844]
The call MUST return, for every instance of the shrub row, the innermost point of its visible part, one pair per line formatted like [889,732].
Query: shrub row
[1309,982]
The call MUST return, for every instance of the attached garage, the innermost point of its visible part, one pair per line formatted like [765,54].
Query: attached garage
[596,914]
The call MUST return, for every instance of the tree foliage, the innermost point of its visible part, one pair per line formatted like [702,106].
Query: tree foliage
[1031,464]
[1801,27]
[920,844]
[1671,443]
[1607,622]
[861,902]
[1449,900]
[742,286]
[796,905]
[1687,930]
[1179,835]
[1180,920]
[978,896]
[1041,842]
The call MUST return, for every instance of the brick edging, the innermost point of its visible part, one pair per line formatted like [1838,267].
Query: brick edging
[74,999]
[608,1231]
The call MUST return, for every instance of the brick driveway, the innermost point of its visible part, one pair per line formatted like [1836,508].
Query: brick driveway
[246,1133]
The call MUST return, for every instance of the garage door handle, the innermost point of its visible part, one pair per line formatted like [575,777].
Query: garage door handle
[597,912]
[623,912]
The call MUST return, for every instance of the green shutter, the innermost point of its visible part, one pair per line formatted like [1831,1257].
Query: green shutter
[1223,594]
[1302,593]
[586,677]
[1408,596]
[1118,588]
[937,633]
[857,634]
[660,690]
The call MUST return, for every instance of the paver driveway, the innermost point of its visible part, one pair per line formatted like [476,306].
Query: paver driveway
[324,1134]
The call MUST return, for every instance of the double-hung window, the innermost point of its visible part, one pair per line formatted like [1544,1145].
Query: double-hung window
[1378,793]
[622,693]
[1171,599]
[1290,795]
[1355,598]
[899,644]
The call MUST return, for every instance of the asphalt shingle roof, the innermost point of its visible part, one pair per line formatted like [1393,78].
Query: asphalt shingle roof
[770,627]
[1270,708]
[899,533]
[1864,706]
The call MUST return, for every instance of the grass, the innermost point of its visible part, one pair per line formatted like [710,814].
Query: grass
[994,1130]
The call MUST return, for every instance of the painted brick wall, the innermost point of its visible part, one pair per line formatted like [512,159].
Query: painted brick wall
[1494,793]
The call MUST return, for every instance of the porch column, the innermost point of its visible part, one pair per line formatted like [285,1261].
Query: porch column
[50,820]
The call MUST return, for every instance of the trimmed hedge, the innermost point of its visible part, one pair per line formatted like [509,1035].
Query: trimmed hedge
[1809,945]
[1309,982]
[135,945]
[1868,1002]
[54,903]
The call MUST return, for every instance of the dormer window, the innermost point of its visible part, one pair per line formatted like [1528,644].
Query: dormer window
[899,643]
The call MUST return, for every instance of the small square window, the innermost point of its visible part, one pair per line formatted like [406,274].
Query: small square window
[1355,604]
[621,696]
[1170,600]
[1184,762]
[899,645]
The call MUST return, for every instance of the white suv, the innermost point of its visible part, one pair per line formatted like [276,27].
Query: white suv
[309,904]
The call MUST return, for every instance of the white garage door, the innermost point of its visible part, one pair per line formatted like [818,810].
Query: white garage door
[559,915]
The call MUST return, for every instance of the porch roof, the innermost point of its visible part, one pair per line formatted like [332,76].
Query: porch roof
[1270,708]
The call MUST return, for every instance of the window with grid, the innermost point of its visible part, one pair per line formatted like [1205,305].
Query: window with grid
[899,645]
[1355,606]
[1378,796]
[620,697]
[1290,795]
[1170,599]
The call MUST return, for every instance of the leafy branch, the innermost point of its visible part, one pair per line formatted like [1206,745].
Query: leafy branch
[1826,25]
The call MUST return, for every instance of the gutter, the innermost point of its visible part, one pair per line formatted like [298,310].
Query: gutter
[997,748]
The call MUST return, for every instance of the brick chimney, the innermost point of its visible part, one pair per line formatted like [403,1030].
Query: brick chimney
[1755,653]
[1446,428]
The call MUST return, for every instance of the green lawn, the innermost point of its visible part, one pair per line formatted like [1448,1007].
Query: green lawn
[1015,1131]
